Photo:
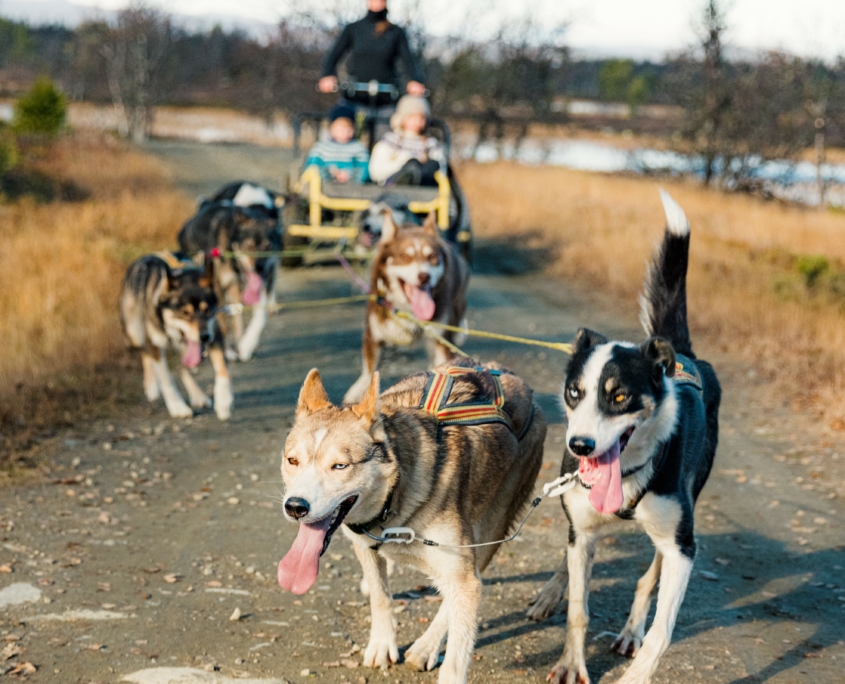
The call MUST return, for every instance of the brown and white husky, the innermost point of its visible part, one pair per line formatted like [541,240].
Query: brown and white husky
[418,272]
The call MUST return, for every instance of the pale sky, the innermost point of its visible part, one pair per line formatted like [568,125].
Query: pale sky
[629,27]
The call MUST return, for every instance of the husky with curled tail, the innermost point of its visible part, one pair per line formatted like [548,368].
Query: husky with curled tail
[642,435]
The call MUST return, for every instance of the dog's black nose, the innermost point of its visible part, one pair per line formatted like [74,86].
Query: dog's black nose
[582,446]
[425,278]
[297,508]
[205,337]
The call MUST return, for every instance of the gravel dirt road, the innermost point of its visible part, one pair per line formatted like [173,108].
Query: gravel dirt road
[148,552]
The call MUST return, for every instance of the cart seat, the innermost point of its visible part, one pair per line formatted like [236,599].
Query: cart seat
[410,193]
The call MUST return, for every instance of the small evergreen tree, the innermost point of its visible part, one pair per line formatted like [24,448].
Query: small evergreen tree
[42,110]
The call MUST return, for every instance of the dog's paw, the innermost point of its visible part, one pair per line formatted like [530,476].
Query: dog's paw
[365,587]
[423,655]
[232,355]
[200,402]
[628,642]
[180,411]
[223,398]
[381,652]
[568,673]
[152,392]
[545,604]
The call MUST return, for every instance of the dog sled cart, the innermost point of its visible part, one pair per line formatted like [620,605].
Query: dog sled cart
[324,218]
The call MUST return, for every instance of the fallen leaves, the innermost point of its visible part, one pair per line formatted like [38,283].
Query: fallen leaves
[26,668]
[10,651]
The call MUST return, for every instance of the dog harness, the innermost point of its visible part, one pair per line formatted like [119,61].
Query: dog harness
[686,373]
[439,388]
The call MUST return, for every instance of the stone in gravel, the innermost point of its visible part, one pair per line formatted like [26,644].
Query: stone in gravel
[17,593]
[23,668]
[172,578]
[6,568]
[233,501]
[236,615]
[710,576]
[349,664]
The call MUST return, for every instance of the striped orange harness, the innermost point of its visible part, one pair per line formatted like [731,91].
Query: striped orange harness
[439,388]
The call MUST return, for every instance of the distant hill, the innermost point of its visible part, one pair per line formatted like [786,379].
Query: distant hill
[46,12]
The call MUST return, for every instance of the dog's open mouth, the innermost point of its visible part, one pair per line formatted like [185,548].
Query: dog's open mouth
[602,475]
[299,568]
[420,299]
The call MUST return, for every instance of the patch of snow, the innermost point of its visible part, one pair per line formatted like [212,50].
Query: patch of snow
[17,593]
[75,615]
[188,675]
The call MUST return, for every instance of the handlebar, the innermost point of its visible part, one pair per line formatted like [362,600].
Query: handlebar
[372,88]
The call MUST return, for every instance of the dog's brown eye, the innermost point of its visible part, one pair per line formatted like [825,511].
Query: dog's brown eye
[293,461]
[619,397]
[403,258]
[434,260]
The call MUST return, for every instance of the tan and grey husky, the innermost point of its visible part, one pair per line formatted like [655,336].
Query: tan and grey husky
[166,300]
[416,271]
[452,455]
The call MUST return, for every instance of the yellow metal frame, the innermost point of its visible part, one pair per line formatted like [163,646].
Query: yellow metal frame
[317,201]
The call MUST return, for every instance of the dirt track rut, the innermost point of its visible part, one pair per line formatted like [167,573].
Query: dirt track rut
[152,543]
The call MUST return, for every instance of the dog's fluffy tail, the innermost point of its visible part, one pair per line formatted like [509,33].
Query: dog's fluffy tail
[663,303]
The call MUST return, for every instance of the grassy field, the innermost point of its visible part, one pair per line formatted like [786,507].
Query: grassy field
[60,267]
[766,281]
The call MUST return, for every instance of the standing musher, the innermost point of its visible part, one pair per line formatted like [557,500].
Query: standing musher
[376,46]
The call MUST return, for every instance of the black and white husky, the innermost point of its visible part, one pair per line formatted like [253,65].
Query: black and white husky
[642,434]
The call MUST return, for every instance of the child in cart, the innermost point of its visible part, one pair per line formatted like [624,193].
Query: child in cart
[405,155]
[342,158]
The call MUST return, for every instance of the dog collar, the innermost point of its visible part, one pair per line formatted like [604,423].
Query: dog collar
[389,509]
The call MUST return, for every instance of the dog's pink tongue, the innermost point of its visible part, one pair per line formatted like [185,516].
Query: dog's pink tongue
[422,305]
[606,493]
[192,356]
[252,293]
[298,569]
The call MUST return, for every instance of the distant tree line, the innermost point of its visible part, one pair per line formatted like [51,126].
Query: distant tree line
[733,113]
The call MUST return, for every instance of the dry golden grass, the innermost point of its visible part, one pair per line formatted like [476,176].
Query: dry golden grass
[745,295]
[61,263]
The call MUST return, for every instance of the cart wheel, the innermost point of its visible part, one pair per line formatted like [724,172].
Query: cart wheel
[466,251]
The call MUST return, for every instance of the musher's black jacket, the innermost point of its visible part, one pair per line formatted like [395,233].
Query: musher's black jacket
[374,55]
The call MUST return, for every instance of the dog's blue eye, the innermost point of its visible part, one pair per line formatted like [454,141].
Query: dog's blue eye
[574,393]
[340,466]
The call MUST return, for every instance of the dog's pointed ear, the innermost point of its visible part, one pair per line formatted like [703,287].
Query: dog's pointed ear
[367,408]
[388,226]
[661,353]
[430,225]
[586,339]
[312,396]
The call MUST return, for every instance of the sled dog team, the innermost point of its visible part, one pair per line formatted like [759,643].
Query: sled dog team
[436,471]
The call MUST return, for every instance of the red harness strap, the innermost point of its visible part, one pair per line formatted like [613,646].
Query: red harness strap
[439,388]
